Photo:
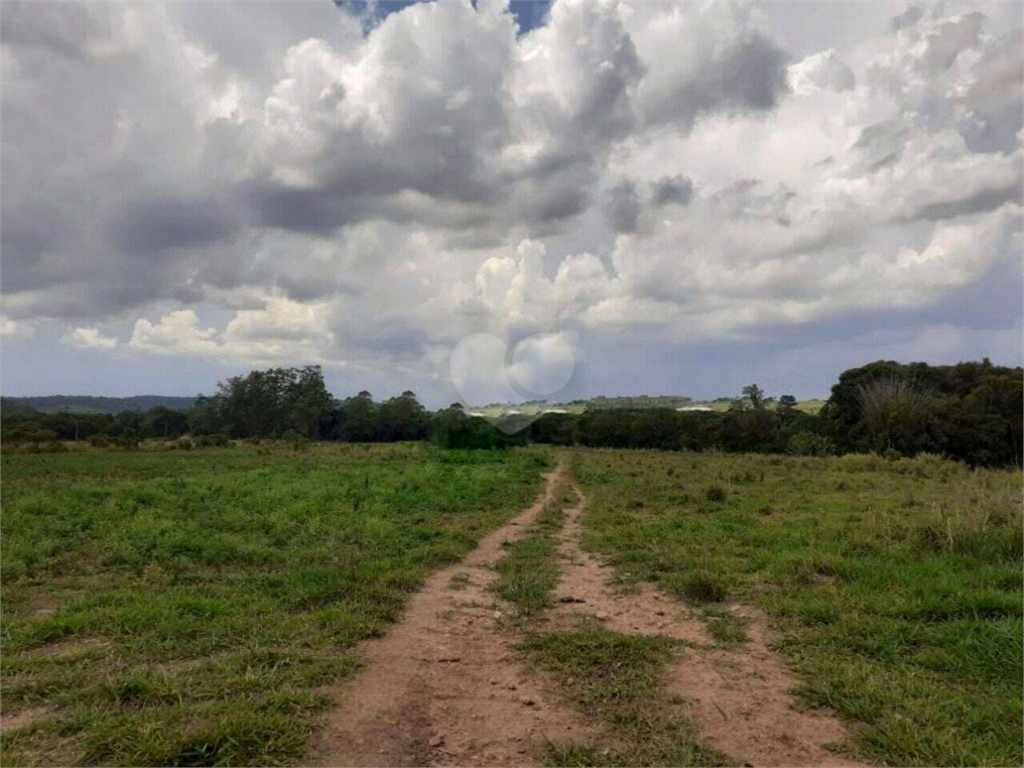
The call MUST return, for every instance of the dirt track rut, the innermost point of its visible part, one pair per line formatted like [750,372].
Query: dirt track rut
[738,696]
[445,687]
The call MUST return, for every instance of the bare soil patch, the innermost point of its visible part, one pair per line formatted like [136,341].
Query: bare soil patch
[444,687]
[68,647]
[15,720]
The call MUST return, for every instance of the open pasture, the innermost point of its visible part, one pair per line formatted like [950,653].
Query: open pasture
[195,607]
[895,586]
[202,607]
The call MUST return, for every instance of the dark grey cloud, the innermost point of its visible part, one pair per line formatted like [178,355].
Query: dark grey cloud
[995,129]
[309,211]
[985,200]
[749,75]
[880,144]
[393,337]
[671,190]
[160,223]
[908,18]
[623,207]
[324,212]
[64,29]
[31,230]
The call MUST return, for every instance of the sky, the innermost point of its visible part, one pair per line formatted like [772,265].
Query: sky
[486,201]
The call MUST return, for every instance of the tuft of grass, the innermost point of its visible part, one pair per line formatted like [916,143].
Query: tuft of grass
[701,587]
[618,679]
[715,493]
[726,628]
[458,581]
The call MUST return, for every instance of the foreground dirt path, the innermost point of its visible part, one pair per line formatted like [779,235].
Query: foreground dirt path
[739,698]
[443,687]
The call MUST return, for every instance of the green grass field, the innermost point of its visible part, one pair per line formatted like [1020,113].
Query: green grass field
[496,411]
[191,607]
[896,586]
[200,607]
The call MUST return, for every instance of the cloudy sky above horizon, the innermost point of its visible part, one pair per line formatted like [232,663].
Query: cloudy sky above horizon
[676,197]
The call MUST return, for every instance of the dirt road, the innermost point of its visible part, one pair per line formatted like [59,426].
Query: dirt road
[445,687]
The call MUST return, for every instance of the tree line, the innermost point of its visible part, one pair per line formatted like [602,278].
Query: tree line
[970,411]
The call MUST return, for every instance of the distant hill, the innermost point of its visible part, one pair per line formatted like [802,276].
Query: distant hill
[640,401]
[89,404]
[676,402]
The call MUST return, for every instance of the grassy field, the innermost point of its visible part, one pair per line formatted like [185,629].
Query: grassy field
[191,607]
[807,406]
[496,411]
[896,587]
[196,607]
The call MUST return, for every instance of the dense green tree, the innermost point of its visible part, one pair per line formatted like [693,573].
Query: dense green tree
[166,423]
[787,403]
[272,402]
[357,419]
[205,417]
[967,411]
[402,418]
[554,428]
[754,395]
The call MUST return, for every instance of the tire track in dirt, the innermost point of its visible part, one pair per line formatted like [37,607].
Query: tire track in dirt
[739,697]
[444,686]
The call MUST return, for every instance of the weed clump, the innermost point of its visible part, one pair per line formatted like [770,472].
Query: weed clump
[728,629]
[214,440]
[702,587]
[715,493]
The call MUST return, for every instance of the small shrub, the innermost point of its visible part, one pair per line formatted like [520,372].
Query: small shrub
[860,462]
[702,587]
[215,440]
[728,629]
[715,493]
[810,444]
[50,446]
[295,439]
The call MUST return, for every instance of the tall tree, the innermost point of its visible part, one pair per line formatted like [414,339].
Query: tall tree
[754,395]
